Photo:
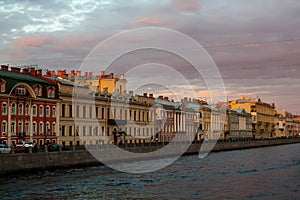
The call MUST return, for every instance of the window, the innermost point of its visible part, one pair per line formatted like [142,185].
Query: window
[63,109]
[53,128]
[77,111]
[41,128]
[41,111]
[34,127]
[102,113]
[3,86]
[38,90]
[4,124]
[90,131]
[20,127]
[12,127]
[63,129]
[77,130]
[4,108]
[48,128]
[70,111]
[26,127]
[96,131]
[26,109]
[34,110]
[83,130]
[53,111]
[20,109]
[47,111]
[96,111]
[70,131]
[20,90]
[51,92]
[13,109]
[84,111]
[91,112]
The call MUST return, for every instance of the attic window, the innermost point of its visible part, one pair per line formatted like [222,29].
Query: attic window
[38,90]
[3,86]
[20,90]
[51,92]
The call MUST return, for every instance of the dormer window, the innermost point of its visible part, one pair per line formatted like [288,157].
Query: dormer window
[37,90]
[51,92]
[3,86]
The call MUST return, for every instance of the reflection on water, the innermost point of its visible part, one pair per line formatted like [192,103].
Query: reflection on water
[262,173]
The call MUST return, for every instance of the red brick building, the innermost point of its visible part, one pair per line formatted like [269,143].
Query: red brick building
[28,106]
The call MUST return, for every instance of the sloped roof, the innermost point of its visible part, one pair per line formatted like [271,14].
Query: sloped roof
[22,77]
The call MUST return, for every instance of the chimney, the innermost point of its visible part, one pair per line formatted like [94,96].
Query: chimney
[32,71]
[48,73]
[25,71]
[161,97]
[39,72]
[145,95]
[151,95]
[102,74]
[85,75]
[4,67]
[90,75]
[166,98]
[15,69]
[78,73]
[72,73]
[111,75]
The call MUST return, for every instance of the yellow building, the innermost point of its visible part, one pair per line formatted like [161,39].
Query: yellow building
[107,83]
[263,115]
[283,124]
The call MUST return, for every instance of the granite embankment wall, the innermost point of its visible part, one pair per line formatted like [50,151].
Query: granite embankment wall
[46,160]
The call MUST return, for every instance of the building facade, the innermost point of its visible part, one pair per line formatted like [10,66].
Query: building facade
[239,124]
[28,106]
[263,116]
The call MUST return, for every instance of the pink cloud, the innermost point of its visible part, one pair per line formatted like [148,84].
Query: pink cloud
[186,5]
[150,21]
[251,45]
[34,41]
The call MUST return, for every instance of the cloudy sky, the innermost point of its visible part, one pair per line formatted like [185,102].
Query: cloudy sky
[255,44]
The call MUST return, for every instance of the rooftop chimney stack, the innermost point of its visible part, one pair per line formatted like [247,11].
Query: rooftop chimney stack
[4,67]
[15,69]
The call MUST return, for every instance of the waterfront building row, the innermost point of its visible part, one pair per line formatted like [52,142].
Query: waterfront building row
[71,109]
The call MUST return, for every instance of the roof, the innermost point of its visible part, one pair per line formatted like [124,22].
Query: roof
[22,77]
[238,110]
[169,103]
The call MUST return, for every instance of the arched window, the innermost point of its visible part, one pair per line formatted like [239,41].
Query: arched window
[41,128]
[20,109]
[53,111]
[27,109]
[41,111]
[13,108]
[34,127]
[4,108]
[53,128]
[47,128]
[4,127]
[34,111]
[13,127]
[47,111]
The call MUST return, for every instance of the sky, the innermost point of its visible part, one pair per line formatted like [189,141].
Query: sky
[254,44]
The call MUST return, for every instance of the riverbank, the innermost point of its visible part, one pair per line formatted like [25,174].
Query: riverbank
[49,160]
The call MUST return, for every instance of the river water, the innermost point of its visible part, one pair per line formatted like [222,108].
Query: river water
[261,173]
